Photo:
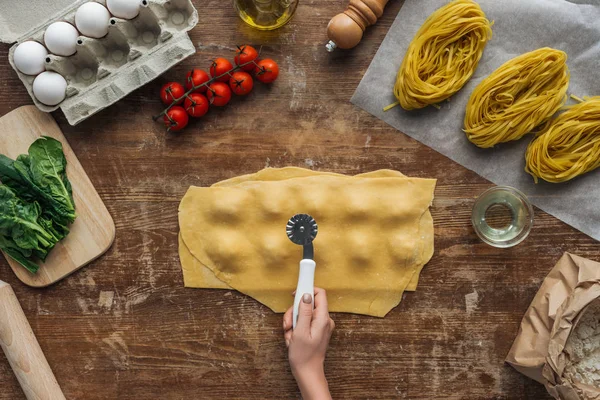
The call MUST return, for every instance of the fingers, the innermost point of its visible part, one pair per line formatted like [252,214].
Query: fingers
[287,326]
[321,299]
[305,314]
[321,306]
[288,337]
[288,318]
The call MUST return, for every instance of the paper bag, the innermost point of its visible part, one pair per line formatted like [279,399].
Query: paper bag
[538,351]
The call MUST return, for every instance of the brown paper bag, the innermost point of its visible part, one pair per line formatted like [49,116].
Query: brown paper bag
[538,350]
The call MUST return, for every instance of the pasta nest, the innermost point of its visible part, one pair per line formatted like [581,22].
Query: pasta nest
[443,55]
[516,98]
[568,146]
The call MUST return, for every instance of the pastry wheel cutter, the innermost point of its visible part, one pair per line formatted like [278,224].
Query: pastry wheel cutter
[302,230]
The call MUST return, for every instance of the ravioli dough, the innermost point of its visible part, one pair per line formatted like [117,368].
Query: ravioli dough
[366,251]
[198,275]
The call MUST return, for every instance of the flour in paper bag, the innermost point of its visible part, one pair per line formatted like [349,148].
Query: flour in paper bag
[583,347]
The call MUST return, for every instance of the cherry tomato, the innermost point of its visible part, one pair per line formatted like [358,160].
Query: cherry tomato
[219,67]
[176,119]
[196,105]
[266,71]
[194,78]
[219,94]
[171,91]
[241,83]
[245,54]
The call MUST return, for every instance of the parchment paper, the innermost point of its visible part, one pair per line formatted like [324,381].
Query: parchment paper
[519,26]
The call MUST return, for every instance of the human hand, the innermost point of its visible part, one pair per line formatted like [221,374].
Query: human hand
[307,344]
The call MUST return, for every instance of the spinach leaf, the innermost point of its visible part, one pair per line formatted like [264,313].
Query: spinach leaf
[11,177]
[54,228]
[9,243]
[47,168]
[17,175]
[19,221]
[36,202]
[9,247]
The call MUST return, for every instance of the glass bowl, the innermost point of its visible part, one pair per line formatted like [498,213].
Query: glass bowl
[502,216]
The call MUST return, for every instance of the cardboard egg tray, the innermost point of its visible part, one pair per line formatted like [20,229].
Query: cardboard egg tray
[105,70]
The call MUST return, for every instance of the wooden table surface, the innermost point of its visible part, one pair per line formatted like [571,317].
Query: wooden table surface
[124,327]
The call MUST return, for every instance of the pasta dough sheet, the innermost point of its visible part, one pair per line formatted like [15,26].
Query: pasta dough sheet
[366,251]
[198,275]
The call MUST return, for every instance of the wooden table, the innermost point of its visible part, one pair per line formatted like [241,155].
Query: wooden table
[124,327]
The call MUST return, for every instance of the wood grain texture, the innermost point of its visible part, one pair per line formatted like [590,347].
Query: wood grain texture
[93,231]
[23,351]
[126,328]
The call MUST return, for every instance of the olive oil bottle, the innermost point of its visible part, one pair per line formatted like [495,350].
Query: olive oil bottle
[266,14]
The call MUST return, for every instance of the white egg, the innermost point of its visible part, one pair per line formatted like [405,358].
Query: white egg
[30,57]
[126,9]
[92,20]
[50,88]
[61,38]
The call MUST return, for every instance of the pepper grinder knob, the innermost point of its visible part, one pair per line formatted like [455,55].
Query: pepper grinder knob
[346,30]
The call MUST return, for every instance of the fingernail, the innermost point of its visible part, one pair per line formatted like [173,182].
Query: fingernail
[307,298]
[284,325]
[287,343]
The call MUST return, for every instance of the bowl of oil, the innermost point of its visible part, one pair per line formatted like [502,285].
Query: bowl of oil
[502,216]
[265,14]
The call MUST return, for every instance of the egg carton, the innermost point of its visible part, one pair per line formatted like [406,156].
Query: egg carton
[105,70]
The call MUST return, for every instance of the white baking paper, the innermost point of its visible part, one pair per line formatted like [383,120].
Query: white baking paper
[519,26]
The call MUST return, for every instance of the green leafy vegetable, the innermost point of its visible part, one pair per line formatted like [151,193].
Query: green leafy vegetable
[19,220]
[41,176]
[57,230]
[47,165]
[16,253]
[36,202]
[11,177]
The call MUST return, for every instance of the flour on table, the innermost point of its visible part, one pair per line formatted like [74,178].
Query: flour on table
[583,348]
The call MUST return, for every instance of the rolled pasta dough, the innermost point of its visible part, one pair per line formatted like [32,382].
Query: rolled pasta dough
[367,249]
[198,275]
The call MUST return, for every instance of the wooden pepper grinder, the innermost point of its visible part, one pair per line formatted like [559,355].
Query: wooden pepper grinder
[345,30]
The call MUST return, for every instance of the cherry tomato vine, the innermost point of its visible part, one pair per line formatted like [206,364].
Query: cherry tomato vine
[203,90]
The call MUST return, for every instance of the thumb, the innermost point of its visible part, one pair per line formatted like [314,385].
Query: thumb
[305,313]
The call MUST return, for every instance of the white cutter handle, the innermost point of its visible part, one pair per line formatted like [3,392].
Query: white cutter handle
[306,284]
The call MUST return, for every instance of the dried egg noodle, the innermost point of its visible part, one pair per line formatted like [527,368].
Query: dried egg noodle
[568,146]
[516,98]
[367,249]
[197,275]
[443,55]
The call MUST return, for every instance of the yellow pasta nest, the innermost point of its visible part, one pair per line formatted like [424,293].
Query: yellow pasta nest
[519,96]
[443,55]
[568,146]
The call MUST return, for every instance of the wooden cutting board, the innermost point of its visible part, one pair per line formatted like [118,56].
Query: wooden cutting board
[93,231]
